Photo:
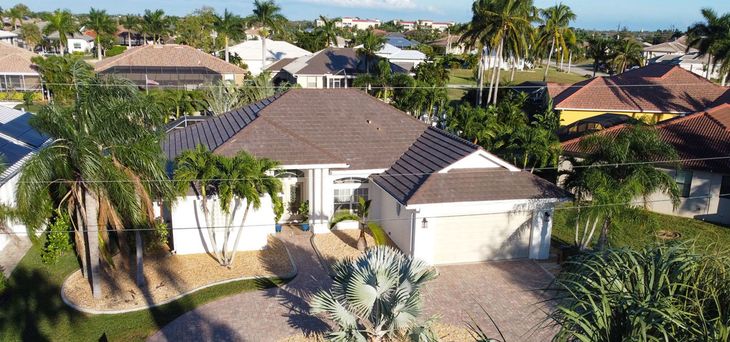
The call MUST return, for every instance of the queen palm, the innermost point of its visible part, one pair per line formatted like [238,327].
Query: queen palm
[131,23]
[371,44]
[612,190]
[599,51]
[16,14]
[155,23]
[60,21]
[361,216]
[102,24]
[328,30]
[626,52]
[229,26]
[101,147]
[712,39]
[267,16]
[556,30]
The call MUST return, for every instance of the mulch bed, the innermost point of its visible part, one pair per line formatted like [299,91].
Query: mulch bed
[340,244]
[168,276]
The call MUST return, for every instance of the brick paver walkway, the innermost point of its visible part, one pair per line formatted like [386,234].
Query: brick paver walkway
[266,315]
[508,290]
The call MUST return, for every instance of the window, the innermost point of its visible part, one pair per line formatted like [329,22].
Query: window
[77,46]
[311,82]
[347,193]
[683,179]
[335,83]
[725,187]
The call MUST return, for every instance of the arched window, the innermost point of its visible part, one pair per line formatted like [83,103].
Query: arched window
[348,191]
[290,174]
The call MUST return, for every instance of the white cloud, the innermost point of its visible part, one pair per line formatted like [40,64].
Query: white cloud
[381,4]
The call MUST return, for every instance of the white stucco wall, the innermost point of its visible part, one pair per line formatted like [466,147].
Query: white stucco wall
[190,235]
[703,202]
[7,197]
[395,219]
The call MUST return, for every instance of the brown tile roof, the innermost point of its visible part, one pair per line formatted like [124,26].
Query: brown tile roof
[702,135]
[653,88]
[169,55]
[280,64]
[15,59]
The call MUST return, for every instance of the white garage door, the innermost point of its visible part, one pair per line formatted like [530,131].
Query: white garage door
[479,238]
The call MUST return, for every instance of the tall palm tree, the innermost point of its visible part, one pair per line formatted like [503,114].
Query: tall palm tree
[31,35]
[229,26]
[267,16]
[627,52]
[599,51]
[361,216]
[328,30]
[102,146]
[371,44]
[495,23]
[102,24]
[16,14]
[712,39]
[61,21]
[612,190]
[156,24]
[556,30]
[131,22]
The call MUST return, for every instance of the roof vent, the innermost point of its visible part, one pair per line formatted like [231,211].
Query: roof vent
[369,121]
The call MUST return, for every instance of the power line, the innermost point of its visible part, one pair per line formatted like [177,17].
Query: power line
[420,217]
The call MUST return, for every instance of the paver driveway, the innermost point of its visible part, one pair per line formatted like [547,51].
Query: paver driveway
[505,289]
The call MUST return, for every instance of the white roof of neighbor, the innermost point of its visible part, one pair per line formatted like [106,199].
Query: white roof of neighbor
[7,34]
[276,50]
[8,114]
[390,51]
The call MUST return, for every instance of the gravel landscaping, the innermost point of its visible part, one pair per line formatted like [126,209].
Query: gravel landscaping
[340,244]
[169,276]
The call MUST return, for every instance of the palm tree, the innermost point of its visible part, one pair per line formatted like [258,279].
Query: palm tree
[494,24]
[61,21]
[612,190]
[384,310]
[371,44]
[102,24]
[361,216]
[16,14]
[260,87]
[229,26]
[156,24]
[267,15]
[102,146]
[627,52]
[712,39]
[556,30]
[223,97]
[657,293]
[328,30]
[131,23]
[31,35]
[599,51]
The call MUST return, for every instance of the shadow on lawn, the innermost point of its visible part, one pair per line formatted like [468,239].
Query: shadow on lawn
[29,299]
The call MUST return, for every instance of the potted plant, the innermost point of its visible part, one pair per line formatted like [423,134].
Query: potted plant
[304,214]
[278,211]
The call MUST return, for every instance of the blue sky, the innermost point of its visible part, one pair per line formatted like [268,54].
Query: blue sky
[600,14]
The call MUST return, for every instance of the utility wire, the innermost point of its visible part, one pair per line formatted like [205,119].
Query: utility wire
[448,86]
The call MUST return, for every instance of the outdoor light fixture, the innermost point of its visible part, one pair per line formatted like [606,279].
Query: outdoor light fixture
[424,223]
[547,215]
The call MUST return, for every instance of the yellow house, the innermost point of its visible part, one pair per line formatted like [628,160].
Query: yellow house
[655,93]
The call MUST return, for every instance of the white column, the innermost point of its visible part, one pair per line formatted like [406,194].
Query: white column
[310,194]
[542,224]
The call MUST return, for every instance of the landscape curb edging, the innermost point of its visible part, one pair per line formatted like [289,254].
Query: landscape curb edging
[65,300]
[322,261]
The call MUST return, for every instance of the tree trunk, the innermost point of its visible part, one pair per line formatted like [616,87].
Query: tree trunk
[98,47]
[362,244]
[709,64]
[724,79]
[61,45]
[263,53]
[226,42]
[480,80]
[498,71]
[240,232]
[139,244]
[570,61]
[80,244]
[494,67]
[92,235]
[129,40]
[211,230]
[514,68]
[603,238]
[550,56]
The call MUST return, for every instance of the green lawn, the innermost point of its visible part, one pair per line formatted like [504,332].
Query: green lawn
[31,308]
[641,231]
[34,108]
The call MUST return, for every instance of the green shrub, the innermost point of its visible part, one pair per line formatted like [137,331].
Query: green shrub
[116,50]
[58,241]
[158,237]
[21,96]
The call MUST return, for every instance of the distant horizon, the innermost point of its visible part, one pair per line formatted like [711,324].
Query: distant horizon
[591,15]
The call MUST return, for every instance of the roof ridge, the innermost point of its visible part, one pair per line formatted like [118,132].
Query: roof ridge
[589,82]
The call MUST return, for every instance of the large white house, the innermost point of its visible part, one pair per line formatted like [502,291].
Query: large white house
[438,197]
[276,50]
[407,59]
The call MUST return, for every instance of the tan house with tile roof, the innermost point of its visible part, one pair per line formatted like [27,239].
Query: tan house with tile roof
[17,70]
[655,92]
[170,65]
[438,197]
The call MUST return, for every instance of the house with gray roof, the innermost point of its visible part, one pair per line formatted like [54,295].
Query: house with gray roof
[438,197]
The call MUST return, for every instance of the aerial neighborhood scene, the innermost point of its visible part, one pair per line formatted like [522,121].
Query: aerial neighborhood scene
[370,171]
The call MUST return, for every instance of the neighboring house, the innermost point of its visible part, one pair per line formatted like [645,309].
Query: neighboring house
[170,65]
[676,52]
[406,59]
[407,25]
[438,197]
[8,37]
[78,42]
[17,70]
[592,124]
[702,141]
[655,92]
[124,36]
[400,41]
[450,44]
[357,23]
[327,68]
[18,141]
[276,50]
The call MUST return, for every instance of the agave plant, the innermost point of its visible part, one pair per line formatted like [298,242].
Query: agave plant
[663,293]
[377,297]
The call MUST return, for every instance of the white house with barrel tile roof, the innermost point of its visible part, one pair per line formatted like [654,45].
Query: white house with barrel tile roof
[438,197]
[276,50]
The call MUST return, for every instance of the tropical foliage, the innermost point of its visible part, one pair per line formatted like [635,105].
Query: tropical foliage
[62,22]
[556,32]
[102,24]
[361,216]
[377,297]
[268,19]
[712,39]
